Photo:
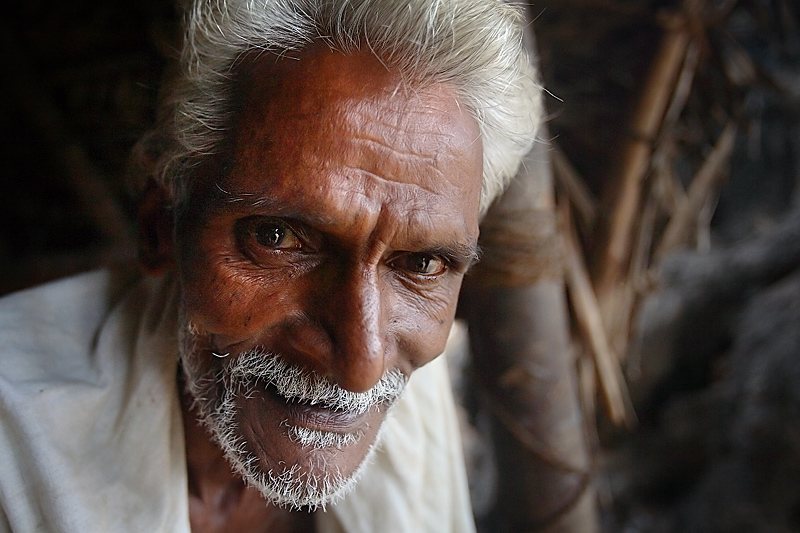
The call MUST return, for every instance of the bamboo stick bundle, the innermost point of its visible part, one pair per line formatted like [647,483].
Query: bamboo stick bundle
[623,193]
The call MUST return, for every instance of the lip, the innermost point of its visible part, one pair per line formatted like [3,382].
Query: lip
[317,417]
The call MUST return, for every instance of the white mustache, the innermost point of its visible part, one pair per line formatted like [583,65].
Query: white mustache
[300,385]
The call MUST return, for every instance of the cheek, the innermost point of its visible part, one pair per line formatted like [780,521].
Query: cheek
[215,304]
[423,325]
[223,296]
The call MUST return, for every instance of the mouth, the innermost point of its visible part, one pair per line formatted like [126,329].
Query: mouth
[312,411]
[318,417]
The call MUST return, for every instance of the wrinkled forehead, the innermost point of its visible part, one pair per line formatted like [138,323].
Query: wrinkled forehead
[320,81]
[317,97]
[326,74]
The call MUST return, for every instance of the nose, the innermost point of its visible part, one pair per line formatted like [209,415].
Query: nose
[349,342]
[357,330]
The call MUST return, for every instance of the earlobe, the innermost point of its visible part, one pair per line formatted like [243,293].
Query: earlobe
[156,242]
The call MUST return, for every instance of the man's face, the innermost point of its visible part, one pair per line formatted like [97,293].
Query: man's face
[320,264]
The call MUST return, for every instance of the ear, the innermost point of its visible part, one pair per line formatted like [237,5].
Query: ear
[156,242]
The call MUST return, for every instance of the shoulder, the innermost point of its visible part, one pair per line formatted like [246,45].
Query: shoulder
[87,376]
[44,328]
[71,302]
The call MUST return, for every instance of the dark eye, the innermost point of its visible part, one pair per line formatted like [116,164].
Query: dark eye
[271,233]
[420,263]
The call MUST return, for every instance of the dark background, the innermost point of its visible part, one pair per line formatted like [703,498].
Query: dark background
[79,83]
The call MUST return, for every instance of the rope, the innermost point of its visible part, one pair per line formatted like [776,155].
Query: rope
[519,248]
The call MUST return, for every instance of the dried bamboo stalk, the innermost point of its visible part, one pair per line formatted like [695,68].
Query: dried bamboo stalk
[587,314]
[574,187]
[666,191]
[623,194]
[640,259]
[683,87]
[587,385]
[626,298]
[702,185]
[519,336]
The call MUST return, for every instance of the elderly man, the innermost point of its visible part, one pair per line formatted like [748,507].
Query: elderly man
[310,203]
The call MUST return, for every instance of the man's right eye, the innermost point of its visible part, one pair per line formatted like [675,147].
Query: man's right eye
[267,232]
[276,236]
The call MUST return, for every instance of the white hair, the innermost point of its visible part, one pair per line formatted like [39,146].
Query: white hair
[474,46]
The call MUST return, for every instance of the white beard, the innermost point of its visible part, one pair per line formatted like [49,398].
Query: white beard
[289,485]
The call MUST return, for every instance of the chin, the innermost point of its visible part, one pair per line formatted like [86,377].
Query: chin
[301,475]
[295,465]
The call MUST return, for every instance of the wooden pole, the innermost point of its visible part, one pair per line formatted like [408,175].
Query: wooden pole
[514,302]
[526,374]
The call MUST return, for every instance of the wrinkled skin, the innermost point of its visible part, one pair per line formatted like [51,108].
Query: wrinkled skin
[336,232]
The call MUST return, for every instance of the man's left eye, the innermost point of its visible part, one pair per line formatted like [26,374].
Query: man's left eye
[420,263]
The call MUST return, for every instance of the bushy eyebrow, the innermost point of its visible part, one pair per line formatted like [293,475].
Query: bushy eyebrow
[254,201]
[460,255]
[234,197]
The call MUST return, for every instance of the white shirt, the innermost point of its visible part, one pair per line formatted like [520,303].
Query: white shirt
[92,437]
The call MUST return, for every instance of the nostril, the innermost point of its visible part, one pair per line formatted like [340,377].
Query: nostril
[359,370]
